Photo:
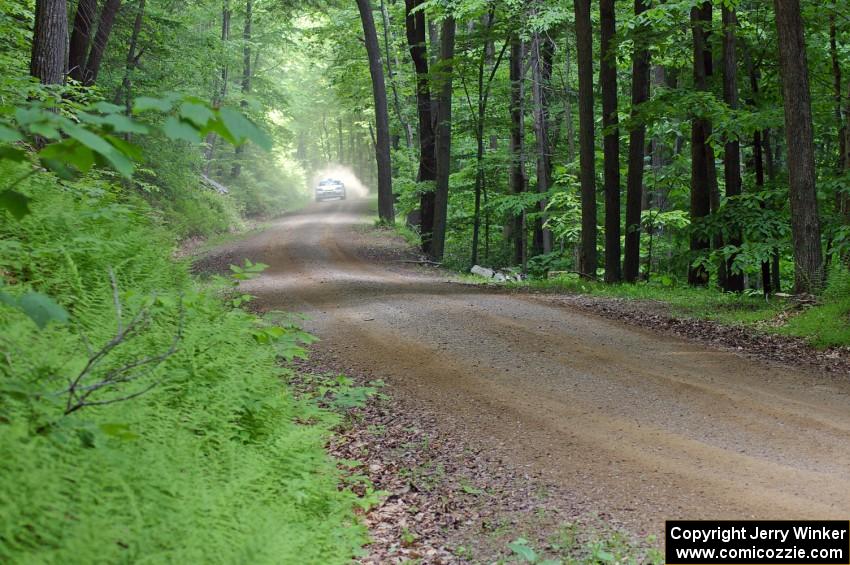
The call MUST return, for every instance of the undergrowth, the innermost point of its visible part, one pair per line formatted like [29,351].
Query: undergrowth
[824,324]
[210,465]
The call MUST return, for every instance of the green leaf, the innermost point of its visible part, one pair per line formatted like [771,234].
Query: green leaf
[16,203]
[102,147]
[244,129]
[123,124]
[521,548]
[12,154]
[40,308]
[198,114]
[107,107]
[120,431]
[128,149]
[217,126]
[44,130]
[89,139]
[9,135]
[177,129]
[145,104]
[70,151]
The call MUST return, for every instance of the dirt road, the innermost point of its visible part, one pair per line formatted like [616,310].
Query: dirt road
[643,426]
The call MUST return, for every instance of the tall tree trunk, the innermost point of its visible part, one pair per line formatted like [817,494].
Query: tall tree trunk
[341,151]
[444,137]
[837,86]
[700,130]
[732,152]
[408,131]
[483,99]
[479,159]
[246,78]
[539,74]
[101,38]
[611,139]
[758,166]
[770,169]
[50,42]
[416,32]
[588,260]
[799,136]
[382,122]
[710,160]
[842,198]
[81,38]
[221,90]
[568,104]
[518,180]
[125,91]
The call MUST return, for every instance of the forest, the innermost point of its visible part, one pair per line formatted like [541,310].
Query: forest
[704,142]
[692,152]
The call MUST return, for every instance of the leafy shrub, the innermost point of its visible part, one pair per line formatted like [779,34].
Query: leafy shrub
[207,466]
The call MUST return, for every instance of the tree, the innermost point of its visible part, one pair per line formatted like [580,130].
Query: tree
[50,42]
[81,38]
[518,180]
[541,70]
[637,148]
[101,38]
[700,176]
[416,29]
[126,88]
[480,123]
[588,260]
[382,120]
[246,76]
[611,140]
[799,137]
[444,137]
[734,281]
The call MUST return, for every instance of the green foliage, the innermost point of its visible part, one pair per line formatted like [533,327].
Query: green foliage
[828,323]
[207,463]
[585,546]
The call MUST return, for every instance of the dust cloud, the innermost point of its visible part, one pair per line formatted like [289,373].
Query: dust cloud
[353,186]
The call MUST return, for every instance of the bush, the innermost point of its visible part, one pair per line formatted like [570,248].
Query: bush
[209,465]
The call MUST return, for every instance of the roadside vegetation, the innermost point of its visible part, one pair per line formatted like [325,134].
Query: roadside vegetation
[823,321]
[144,413]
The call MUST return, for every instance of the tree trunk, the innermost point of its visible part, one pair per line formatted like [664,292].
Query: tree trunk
[758,166]
[710,160]
[611,139]
[700,130]
[408,131]
[799,136]
[416,32]
[732,152]
[221,90]
[50,41]
[568,105]
[842,198]
[837,86]
[81,38]
[101,38]
[518,180]
[588,260]
[539,74]
[125,91]
[382,121]
[246,78]
[480,178]
[444,137]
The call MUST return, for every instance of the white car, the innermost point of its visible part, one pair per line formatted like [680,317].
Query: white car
[330,188]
